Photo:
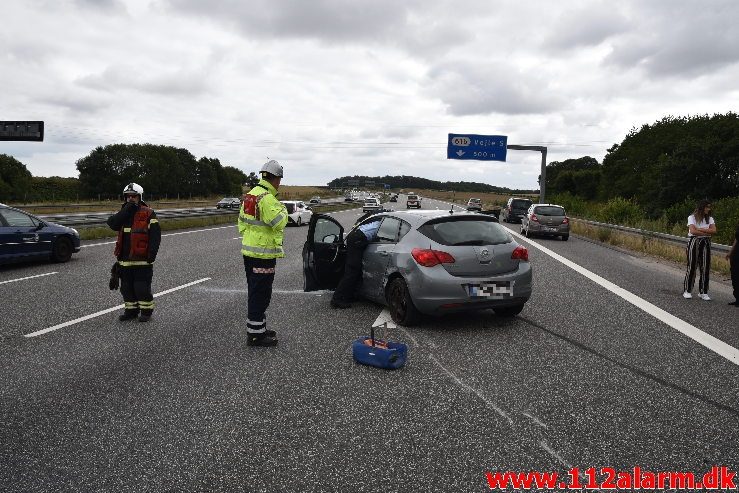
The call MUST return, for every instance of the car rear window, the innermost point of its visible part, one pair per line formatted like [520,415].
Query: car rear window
[290,208]
[465,231]
[549,210]
[521,204]
[476,201]
[413,197]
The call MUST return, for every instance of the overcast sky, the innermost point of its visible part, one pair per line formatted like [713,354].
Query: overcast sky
[332,88]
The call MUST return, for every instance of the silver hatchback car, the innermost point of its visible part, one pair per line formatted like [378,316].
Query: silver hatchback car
[426,262]
[546,220]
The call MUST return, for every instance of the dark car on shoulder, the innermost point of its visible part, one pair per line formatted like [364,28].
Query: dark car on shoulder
[515,209]
[24,237]
[229,203]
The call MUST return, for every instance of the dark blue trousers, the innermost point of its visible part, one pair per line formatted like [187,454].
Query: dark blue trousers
[260,273]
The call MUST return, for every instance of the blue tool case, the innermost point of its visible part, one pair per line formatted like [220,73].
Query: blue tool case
[379,353]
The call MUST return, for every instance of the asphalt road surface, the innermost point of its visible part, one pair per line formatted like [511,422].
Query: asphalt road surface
[603,368]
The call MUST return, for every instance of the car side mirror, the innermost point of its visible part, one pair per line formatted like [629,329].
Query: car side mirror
[330,239]
[40,226]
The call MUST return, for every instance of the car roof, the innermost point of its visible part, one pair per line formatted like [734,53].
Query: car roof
[419,216]
[290,201]
[553,205]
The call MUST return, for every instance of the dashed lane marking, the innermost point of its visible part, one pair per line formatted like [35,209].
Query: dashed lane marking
[108,310]
[29,277]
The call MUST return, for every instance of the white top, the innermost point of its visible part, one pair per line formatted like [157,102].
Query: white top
[702,224]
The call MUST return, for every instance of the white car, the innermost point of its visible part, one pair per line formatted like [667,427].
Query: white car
[371,204]
[297,212]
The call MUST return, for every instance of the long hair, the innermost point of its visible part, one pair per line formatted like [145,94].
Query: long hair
[699,211]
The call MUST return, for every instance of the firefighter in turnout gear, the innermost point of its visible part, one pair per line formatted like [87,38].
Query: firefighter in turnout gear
[136,249]
[261,223]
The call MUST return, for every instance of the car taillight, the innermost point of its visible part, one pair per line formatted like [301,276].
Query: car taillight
[566,220]
[430,258]
[520,253]
[534,218]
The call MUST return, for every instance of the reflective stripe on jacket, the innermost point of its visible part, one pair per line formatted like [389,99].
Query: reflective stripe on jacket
[262,220]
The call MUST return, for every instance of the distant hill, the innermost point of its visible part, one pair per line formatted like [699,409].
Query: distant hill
[419,183]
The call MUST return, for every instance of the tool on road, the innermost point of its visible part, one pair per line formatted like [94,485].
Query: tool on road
[380,353]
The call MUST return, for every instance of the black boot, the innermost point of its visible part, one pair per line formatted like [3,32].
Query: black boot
[128,315]
[260,340]
[145,316]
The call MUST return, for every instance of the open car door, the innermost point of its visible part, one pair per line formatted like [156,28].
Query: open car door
[324,254]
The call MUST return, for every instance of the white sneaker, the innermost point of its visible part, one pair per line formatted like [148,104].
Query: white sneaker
[704,297]
[687,295]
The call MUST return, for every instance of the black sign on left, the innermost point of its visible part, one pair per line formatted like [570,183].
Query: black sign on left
[18,131]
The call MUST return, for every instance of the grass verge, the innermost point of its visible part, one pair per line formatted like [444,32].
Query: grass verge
[645,244]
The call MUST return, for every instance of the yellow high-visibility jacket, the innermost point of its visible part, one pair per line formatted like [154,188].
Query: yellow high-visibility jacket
[262,221]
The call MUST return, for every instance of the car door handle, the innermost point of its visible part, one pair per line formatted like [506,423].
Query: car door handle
[382,252]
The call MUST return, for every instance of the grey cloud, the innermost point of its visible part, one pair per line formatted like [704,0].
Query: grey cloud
[587,27]
[77,103]
[180,83]
[469,88]
[682,39]
[410,24]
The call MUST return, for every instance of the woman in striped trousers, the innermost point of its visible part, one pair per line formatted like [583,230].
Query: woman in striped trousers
[701,227]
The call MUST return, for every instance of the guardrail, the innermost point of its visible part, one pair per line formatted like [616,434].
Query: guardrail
[677,240]
[90,219]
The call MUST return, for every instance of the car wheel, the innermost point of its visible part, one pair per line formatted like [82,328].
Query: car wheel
[62,250]
[508,311]
[565,237]
[402,309]
[300,221]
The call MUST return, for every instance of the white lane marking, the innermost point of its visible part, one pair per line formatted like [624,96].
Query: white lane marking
[29,277]
[108,310]
[708,341]
[165,235]
[274,291]
[459,382]
[384,318]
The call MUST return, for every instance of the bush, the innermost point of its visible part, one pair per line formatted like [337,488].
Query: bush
[573,204]
[620,211]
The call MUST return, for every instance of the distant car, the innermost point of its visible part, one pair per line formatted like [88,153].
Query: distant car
[474,205]
[229,203]
[393,198]
[426,262]
[413,201]
[297,212]
[546,220]
[371,204]
[315,200]
[515,209]
[24,236]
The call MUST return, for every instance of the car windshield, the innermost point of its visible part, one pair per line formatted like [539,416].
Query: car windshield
[549,211]
[475,201]
[521,204]
[290,207]
[413,197]
[465,231]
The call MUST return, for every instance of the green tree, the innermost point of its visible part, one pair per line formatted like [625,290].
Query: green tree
[15,179]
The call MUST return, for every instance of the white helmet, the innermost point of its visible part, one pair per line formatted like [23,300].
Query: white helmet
[272,167]
[134,189]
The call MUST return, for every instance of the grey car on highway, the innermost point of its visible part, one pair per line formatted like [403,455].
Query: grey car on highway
[430,262]
[546,220]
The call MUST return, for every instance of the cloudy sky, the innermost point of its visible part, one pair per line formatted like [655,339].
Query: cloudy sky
[341,87]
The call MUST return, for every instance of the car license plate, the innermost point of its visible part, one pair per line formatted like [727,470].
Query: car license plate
[551,230]
[490,289]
